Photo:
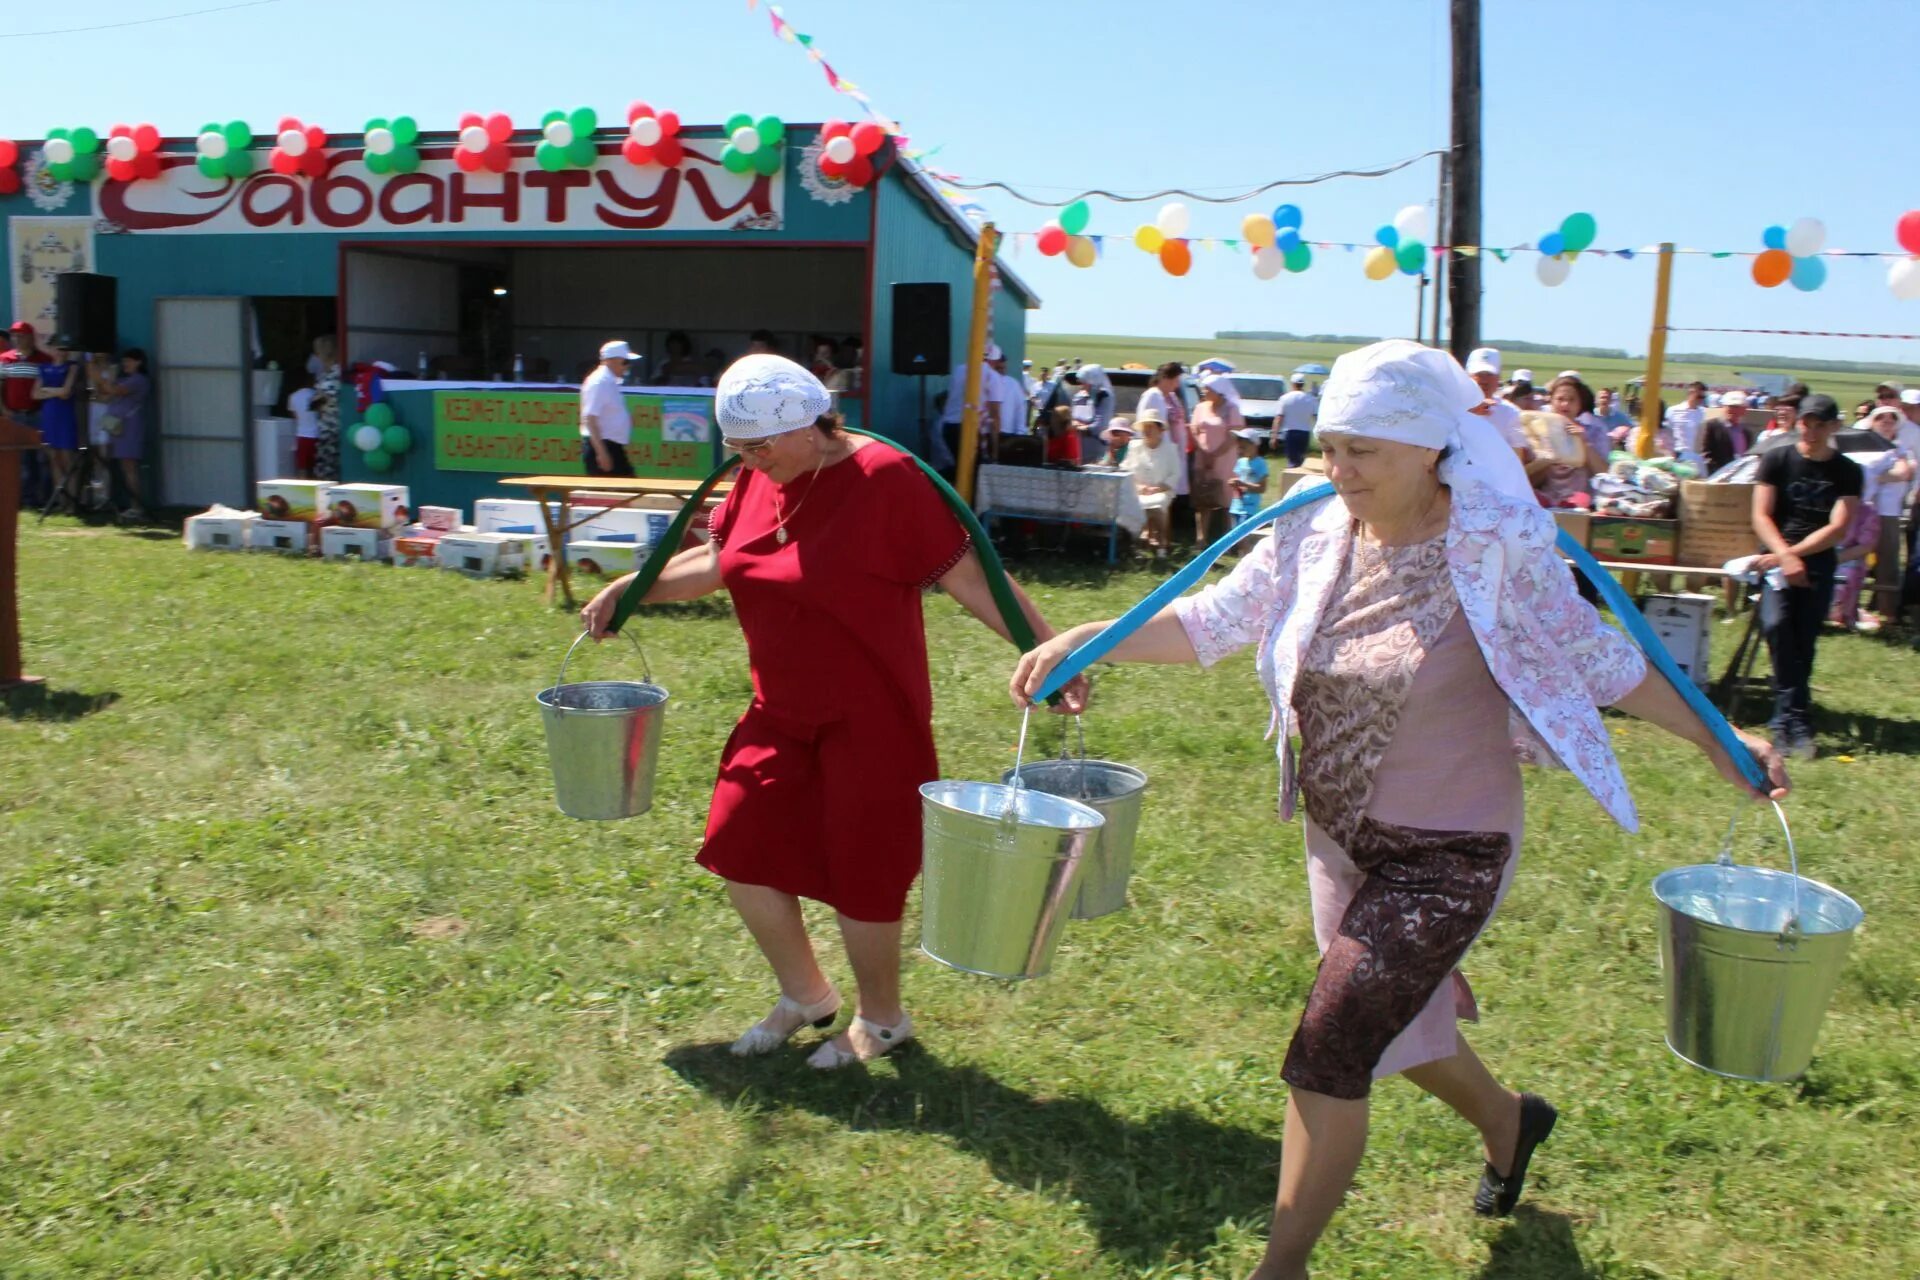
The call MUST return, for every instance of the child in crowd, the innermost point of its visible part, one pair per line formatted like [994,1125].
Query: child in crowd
[1249,482]
[1063,438]
[306,404]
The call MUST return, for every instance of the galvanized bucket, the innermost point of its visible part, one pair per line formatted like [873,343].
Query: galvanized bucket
[1752,957]
[1002,865]
[603,741]
[1115,792]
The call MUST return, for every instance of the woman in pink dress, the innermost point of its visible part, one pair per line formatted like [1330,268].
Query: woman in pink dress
[1215,419]
[1409,628]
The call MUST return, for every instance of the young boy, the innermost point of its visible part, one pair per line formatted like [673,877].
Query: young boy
[1249,476]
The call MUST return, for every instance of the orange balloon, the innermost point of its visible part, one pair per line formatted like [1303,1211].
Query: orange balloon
[1772,268]
[1176,257]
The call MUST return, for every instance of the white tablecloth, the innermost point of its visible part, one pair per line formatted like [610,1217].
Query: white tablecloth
[1096,495]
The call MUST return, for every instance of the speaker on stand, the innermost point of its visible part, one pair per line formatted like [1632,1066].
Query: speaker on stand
[85,304]
[922,337]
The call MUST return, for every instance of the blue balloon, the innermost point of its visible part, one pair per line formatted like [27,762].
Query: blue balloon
[1388,236]
[1553,244]
[1287,241]
[1808,274]
[1774,237]
[1287,215]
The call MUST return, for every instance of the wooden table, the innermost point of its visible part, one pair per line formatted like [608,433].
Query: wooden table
[550,491]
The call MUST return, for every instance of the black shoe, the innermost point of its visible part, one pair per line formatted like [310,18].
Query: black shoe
[1497,1195]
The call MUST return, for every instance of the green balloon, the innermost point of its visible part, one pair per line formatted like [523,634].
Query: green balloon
[766,161]
[735,160]
[772,131]
[735,123]
[1300,257]
[378,460]
[59,133]
[1075,217]
[212,126]
[210,168]
[581,152]
[378,122]
[405,159]
[550,117]
[396,440]
[550,157]
[85,140]
[378,414]
[239,137]
[1411,255]
[377,163]
[1577,231]
[405,131]
[584,121]
[239,163]
[86,167]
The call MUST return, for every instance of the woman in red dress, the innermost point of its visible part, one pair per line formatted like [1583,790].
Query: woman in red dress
[825,544]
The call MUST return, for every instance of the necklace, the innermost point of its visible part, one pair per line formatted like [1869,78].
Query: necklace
[780,518]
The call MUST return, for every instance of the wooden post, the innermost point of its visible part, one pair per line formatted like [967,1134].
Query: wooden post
[1656,357]
[976,359]
[15,439]
[1463,221]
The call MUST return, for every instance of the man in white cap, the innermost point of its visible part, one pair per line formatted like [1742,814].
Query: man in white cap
[1293,420]
[605,424]
[1011,410]
[1725,438]
[1683,423]
[995,388]
[1483,366]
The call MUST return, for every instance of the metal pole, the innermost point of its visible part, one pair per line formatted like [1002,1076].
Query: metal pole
[1441,236]
[976,359]
[1463,282]
[1420,309]
[1656,357]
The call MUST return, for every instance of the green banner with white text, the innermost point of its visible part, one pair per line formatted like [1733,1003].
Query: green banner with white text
[538,432]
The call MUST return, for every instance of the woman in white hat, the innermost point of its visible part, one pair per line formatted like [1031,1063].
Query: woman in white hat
[1210,474]
[1154,463]
[1399,626]
[825,545]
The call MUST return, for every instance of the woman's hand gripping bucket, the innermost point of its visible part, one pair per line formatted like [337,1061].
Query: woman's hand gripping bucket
[603,741]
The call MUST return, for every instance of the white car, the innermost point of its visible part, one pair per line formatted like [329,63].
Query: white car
[1260,396]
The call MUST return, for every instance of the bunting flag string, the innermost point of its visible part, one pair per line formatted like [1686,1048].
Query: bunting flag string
[1802,333]
[838,83]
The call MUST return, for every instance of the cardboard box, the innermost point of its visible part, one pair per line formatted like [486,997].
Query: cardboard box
[491,514]
[226,531]
[1641,541]
[338,542]
[1684,624]
[416,551]
[289,499]
[439,519]
[1576,524]
[645,527]
[483,555]
[606,559]
[289,537]
[366,506]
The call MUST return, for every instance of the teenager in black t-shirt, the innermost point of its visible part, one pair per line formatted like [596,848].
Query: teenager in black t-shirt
[1804,502]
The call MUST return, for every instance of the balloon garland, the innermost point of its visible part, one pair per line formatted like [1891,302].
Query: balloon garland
[73,155]
[381,439]
[1276,242]
[652,137]
[391,146]
[9,157]
[1903,277]
[133,153]
[567,140]
[1792,256]
[1399,245]
[484,143]
[1558,248]
[299,149]
[753,146]
[847,151]
[225,150]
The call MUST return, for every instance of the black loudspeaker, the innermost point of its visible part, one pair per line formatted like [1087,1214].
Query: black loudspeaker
[922,329]
[85,305]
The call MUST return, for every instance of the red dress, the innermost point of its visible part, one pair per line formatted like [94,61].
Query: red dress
[819,787]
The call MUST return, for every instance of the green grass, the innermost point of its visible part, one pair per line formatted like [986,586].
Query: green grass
[1282,357]
[306,978]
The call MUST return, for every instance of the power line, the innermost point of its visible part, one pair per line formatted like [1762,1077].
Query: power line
[136,22]
[1193,195]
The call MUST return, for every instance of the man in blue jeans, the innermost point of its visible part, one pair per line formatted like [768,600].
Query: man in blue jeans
[1802,506]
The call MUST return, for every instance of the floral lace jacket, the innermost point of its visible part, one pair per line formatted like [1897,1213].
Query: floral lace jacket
[1545,646]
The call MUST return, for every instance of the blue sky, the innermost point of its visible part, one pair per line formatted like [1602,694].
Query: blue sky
[1700,122]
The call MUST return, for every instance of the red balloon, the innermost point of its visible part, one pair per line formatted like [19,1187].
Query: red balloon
[146,165]
[120,130]
[316,138]
[284,163]
[471,118]
[834,129]
[860,172]
[119,170]
[469,161]
[288,122]
[638,109]
[9,152]
[499,126]
[1051,240]
[635,153]
[9,182]
[499,157]
[146,137]
[831,167]
[669,124]
[867,137]
[314,164]
[669,152]
[1907,231]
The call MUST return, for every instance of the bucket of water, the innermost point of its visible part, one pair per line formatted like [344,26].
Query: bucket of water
[1115,792]
[603,741]
[1752,957]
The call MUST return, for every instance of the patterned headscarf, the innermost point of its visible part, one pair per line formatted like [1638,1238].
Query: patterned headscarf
[767,395]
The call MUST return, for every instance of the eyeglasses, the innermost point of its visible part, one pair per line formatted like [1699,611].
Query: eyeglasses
[750,448]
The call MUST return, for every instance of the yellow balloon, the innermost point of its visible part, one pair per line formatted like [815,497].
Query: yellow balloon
[1380,262]
[1257,230]
[1149,238]
[1080,251]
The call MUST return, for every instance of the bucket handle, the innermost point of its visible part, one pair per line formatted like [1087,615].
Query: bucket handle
[646,668]
[1080,726]
[1790,931]
[1010,816]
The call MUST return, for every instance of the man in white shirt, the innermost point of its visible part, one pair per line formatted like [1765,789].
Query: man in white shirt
[992,406]
[1683,423]
[605,424]
[1293,421]
[1483,366]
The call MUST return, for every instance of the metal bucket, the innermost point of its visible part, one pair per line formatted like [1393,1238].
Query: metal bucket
[603,741]
[1115,792]
[1001,867]
[1752,957]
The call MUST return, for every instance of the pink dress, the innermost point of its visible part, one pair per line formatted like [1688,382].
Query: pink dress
[1213,454]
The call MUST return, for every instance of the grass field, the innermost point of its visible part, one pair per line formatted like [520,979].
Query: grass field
[1282,358]
[307,978]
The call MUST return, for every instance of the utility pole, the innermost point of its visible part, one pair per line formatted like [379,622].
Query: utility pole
[1463,222]
[1442,234]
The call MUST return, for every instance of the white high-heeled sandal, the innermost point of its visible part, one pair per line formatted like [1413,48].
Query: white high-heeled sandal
[764,1038]
[831,1057]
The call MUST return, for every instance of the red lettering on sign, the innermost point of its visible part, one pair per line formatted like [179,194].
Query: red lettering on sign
[322,194]
[115,209]
[556,185]
[506,200]
[433,209]
[292,207]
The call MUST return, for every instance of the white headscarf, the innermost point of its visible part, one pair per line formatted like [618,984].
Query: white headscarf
[1094,378]
[1399,390]
[1223,386]
[767,395]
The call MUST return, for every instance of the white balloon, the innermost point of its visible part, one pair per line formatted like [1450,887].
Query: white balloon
[1806,237]
[59,151]
[1268,263]
[840,150]
[1411,223]
[746,140]
[475,138]
[645,131]
[121,147]
[212,144]
[380,142]
[366,437]
[1553,271]
[559,133]
[293,142]
[1904,279]
[1173,220]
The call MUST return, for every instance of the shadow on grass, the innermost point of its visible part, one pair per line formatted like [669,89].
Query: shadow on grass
[38,702]
[1151,1189]
[1536,1244]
